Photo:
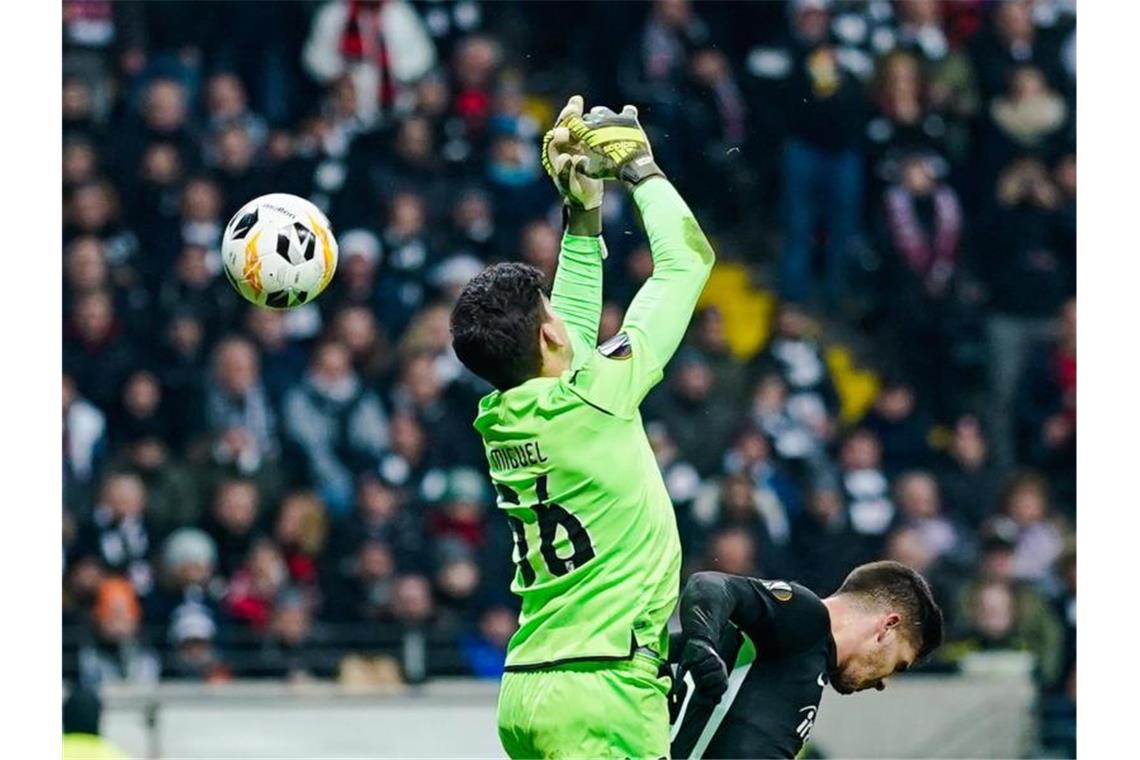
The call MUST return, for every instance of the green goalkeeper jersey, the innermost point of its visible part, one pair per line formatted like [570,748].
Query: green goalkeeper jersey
[596,547]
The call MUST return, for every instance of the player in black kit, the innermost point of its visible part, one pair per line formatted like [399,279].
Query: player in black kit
[785,644]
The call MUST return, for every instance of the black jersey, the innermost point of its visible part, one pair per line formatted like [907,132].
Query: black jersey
[775,638]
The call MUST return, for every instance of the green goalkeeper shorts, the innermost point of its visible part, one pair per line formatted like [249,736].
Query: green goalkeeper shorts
[586,710]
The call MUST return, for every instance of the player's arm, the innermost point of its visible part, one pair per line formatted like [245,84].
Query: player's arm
[659,315]
[576,294]
[708,604]
[682,260]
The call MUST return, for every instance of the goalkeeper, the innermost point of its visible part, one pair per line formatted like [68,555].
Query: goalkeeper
[596,545]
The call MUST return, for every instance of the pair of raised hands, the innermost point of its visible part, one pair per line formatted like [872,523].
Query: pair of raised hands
[582,150]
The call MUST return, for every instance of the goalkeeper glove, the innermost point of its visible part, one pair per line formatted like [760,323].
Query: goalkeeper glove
[618,146]
[565,166]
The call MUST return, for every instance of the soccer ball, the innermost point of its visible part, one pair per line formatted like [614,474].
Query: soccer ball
[279,251]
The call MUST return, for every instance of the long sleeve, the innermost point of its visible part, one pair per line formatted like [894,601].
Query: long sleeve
[682,261]
[617,376]
[576,295]
[711,600]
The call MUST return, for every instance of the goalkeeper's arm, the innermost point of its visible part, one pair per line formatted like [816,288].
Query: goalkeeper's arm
[576,294]
[682,260]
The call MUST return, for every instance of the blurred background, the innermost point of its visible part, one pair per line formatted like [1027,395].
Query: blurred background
[294,506]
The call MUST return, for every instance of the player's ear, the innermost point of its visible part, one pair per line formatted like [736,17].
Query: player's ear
[889,622]
[551,336]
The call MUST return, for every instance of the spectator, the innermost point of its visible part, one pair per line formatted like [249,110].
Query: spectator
[293,649]
[364,591]
[140,410]
[183,357]
[715,125]
[338,422]
[795,443]
[1011,39]
[1029,118]
[80,163]
[383,47]
[866,488]
[823,544]
[457,580]
[920,508]
[440,411]
[1028,273]
[301,531]
[406,262]
[700,421]
[474,68]
[409,459]
[795,354]
[952,84]
[117,653]
[282,360]
[164,118]
[921,232]
[117,533]
[822,160]
[382,514]
[356,328]
[681,481]
[239,419]
[85,271]
[227,105]
[712,342]
[155,207]
[653,71]
[202,207]
[472,229]
[96,352]
[233,523]
[777,498]
[79,110]
[460,497]
[900,425]
[84,447]
[1047,409]
[188,582]
[172,493]
[1040,535]
[539,246]
[967,476]
[195,287]
[513,174]
[486,651]
[355,283]
[195,656]
[995,622]
[239,177]
[256,587]
[732,550]
[905,123]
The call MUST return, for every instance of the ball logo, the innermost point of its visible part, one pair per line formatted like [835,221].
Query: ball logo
[781,590]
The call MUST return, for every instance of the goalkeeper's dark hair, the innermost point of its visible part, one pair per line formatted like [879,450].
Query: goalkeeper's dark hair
[496,321]
[902,589]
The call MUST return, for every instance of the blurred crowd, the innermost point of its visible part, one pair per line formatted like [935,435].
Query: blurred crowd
[883,365]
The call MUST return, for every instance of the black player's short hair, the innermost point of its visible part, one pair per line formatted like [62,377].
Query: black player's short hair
[496,321]
[902,588]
